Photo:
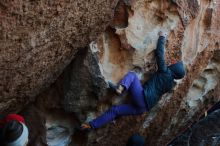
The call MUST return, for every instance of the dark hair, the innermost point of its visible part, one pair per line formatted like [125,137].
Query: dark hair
[11,131]
[136,140]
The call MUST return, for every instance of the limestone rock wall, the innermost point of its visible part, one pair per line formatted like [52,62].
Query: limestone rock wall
[193,36]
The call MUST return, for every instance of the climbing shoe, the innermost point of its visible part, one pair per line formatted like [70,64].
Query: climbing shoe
[112,86]
[83,128]
[116,88]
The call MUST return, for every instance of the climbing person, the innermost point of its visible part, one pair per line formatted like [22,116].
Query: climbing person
[143,97]
[13,131]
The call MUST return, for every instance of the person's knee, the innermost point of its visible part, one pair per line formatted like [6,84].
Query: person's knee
[131,74]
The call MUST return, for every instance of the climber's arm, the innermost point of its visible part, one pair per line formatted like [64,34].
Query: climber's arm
[159,53]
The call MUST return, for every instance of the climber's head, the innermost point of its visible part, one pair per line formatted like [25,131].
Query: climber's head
[136,140]
[15,134]
[178,70]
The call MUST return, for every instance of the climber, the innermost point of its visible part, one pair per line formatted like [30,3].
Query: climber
[13,131]
[143,97]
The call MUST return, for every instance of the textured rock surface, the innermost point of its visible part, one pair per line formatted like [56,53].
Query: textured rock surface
[193,36]
[83,84]
[39,38]
[193,32]
[35,122]
[205,132]
[48,123]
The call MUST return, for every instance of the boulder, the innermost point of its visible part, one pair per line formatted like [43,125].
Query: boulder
[38,40]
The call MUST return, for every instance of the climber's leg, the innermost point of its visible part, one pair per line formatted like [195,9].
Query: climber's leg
[131,83]
[115,111]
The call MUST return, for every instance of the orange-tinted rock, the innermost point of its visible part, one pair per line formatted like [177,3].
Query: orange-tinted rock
[120,19]
[192,28]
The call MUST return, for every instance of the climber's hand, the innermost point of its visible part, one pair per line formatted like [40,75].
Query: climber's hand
[85,126]
[161,33]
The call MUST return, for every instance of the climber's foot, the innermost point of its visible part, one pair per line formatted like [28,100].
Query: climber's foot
[85,127]
[118,89]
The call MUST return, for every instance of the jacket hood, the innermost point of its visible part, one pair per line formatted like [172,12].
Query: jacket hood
[178,70]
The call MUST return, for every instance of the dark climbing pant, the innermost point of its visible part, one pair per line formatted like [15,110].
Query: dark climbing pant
[138,106]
